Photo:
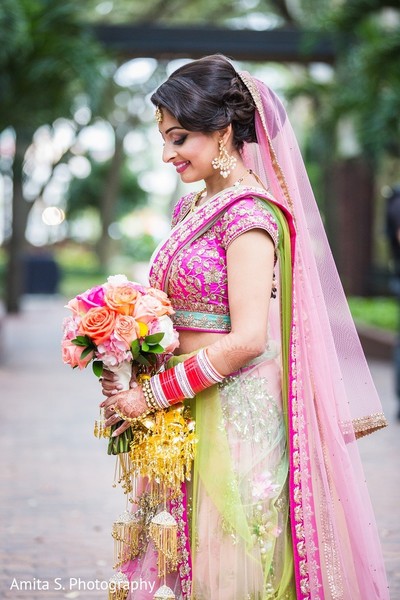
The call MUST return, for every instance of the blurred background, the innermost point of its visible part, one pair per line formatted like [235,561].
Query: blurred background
[83,191]
[84,194]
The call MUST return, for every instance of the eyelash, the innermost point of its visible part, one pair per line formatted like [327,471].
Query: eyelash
[180,141]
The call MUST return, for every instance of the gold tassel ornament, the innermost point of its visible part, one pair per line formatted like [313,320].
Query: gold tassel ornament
[118,587]
[166,455]
[124,474]
[126,533]
[164,533]
[100,430]
[164,593]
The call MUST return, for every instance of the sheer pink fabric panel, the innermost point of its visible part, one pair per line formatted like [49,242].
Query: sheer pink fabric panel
[333,379]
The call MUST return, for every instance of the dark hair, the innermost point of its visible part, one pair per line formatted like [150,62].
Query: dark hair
[207,95]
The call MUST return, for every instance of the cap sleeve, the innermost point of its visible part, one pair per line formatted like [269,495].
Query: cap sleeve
[246,214]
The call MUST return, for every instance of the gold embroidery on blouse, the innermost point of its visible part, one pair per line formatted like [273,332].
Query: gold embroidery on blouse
[198,277]
[192,225]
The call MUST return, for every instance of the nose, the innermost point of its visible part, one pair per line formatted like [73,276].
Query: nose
[169,153]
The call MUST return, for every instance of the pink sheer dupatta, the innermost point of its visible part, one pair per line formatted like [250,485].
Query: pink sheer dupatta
[331,396]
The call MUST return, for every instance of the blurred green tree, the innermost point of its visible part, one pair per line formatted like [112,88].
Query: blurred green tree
[356,132]
[47,56]
[368,75]
[112,179]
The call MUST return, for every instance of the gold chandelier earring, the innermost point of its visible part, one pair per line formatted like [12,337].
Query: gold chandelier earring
[224,161]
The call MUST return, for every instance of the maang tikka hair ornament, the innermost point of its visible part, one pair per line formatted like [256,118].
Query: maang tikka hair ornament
[158,115]
[224,162]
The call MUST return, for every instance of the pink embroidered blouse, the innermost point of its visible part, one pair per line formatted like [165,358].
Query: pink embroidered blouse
[198,282]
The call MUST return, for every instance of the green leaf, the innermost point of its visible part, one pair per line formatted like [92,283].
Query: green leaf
[154,338]
[135,349]
[145,347]
[156,349]
[82,340]
[97,367]
[86,352]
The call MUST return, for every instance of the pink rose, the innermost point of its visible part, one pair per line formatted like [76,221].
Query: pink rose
[71,355]
[92,298]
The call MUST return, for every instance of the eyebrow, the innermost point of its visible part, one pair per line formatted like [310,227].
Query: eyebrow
[171,128]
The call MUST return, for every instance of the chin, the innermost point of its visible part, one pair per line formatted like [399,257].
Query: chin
[191,177]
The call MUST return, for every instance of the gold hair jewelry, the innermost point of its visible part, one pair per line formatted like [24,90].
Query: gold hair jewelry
[158,115]
[224,162]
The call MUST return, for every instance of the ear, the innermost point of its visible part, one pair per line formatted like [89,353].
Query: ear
[226,135]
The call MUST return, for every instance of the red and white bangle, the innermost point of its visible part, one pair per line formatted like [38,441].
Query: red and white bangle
[185,380]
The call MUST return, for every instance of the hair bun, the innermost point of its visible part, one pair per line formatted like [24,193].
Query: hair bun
[240,109]
[208,95]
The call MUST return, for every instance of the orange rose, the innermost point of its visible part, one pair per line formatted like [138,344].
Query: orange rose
[126,328]
[98,324]
[122,298]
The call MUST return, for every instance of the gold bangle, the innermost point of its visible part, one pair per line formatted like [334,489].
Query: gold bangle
[131,419]
[148,395]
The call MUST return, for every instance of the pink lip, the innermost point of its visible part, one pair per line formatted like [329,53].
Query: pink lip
[181,166]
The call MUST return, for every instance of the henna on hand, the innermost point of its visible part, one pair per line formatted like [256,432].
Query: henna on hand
[131,403]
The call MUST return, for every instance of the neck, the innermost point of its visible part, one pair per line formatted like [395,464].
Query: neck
[216,183]
[240,176]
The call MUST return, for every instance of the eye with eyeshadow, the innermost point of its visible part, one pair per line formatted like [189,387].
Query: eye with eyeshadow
[180,140]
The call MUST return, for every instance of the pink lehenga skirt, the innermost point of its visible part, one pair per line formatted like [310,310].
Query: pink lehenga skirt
[233,517]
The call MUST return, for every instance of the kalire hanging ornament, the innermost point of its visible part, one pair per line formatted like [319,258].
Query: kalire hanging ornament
[118,587]
[164,593]
[126,533]
[164,533]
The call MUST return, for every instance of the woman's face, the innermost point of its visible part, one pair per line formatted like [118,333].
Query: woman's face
[191,152]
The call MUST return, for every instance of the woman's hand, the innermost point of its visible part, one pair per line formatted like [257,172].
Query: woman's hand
[130,403]
[109,382]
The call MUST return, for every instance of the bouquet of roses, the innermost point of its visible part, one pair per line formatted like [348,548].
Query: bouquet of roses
[117,325]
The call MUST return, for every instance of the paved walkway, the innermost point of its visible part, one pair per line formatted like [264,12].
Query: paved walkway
[57,500]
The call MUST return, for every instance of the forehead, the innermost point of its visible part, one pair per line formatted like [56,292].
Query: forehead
[168,121]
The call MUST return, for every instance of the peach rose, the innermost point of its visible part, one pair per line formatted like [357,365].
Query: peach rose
[98,324]
[126,328]
[163,298]
[148,308]
[122,298]
[74,306]
[71,355]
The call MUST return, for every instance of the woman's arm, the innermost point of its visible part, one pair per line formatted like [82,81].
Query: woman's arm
[250,264]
